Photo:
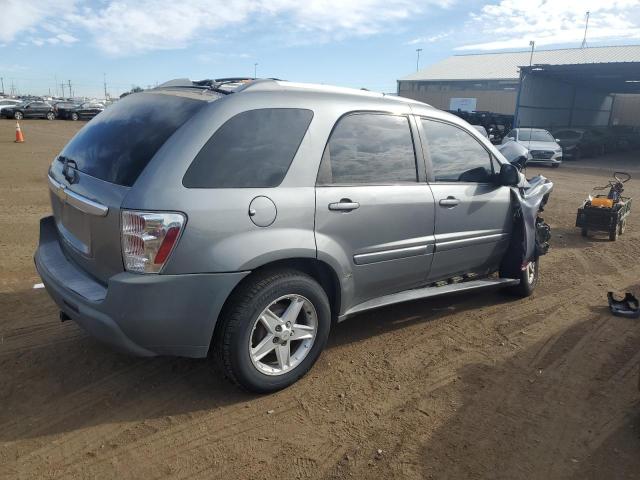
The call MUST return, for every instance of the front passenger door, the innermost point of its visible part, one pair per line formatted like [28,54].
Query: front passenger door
[473,213]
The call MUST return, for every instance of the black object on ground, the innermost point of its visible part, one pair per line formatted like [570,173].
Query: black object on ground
[628,307]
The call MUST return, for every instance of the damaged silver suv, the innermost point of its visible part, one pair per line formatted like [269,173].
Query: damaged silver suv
[242,219]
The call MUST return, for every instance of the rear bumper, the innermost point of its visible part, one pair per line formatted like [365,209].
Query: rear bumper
[144,315]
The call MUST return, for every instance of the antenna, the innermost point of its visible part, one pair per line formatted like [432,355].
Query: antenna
[586,28]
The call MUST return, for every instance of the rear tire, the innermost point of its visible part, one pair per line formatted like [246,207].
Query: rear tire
[247,322]
[613,234]
[75,117]
[18,116]
[51,116]
[528,280]
[584,232]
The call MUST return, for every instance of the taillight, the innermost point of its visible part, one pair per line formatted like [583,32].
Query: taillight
[148,239]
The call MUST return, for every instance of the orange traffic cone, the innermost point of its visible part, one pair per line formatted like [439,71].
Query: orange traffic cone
[19,136]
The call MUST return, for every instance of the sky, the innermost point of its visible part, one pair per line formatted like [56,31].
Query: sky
[353,43]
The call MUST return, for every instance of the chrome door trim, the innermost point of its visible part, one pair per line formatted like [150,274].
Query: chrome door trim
[451,241]
[76,200]
[395,254]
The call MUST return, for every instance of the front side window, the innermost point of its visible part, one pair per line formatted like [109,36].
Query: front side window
[252,149]
[369,148]
[455,155]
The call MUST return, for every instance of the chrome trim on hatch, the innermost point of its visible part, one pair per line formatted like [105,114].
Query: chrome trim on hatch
[76,200]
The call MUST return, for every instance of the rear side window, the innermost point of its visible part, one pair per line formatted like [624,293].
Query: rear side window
[369,148]
[118,144]
[455,155]
[252,149]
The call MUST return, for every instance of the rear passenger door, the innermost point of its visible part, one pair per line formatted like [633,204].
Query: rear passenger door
[374,212]
[472,212]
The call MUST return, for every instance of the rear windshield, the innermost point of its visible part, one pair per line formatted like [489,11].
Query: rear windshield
[118,144]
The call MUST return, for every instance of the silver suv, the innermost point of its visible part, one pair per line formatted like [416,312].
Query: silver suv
[194,219]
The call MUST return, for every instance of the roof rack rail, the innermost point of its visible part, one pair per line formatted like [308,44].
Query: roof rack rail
[225,85]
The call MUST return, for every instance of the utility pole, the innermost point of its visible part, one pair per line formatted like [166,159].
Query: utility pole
[2,82]
[532,44]
[62,85]
[418,50]
[255,70]
[586,28]
[104,77]
[70,91]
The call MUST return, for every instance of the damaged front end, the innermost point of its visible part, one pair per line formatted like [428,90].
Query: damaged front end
[531,234]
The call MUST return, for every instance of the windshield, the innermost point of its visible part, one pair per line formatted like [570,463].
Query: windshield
[528,135]
[118,144]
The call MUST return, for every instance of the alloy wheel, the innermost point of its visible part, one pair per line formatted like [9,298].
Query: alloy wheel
[283,334]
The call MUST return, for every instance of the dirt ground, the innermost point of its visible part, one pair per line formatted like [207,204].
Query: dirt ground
[474,386]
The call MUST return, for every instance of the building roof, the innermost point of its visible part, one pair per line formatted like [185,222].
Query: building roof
[505,65]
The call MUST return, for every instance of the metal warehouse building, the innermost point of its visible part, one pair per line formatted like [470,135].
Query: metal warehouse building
[578,87]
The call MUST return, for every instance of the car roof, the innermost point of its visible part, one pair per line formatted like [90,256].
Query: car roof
[282,86]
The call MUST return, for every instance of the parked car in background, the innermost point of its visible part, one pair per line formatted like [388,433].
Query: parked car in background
[85,111]
[540,143]
[577,143]
[8,102]
[62,109]
[232,223]
[34,109]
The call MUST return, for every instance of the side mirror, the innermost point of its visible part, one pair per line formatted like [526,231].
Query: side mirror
[509,175]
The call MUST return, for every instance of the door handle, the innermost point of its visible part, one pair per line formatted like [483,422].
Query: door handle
[449,202]
[344,205]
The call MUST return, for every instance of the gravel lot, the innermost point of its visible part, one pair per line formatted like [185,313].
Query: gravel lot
[474,386]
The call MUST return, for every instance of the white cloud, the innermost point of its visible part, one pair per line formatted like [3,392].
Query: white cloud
[513,23]
[125,27]
[19,16]
[430,39]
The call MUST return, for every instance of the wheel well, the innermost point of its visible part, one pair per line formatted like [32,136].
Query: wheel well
[318,270]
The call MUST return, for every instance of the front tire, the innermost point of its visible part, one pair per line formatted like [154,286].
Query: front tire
[51,116]
[18,116]
[272,330]
[528,280]
[75,117]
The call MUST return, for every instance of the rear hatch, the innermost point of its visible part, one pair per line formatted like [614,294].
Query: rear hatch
[94,172]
